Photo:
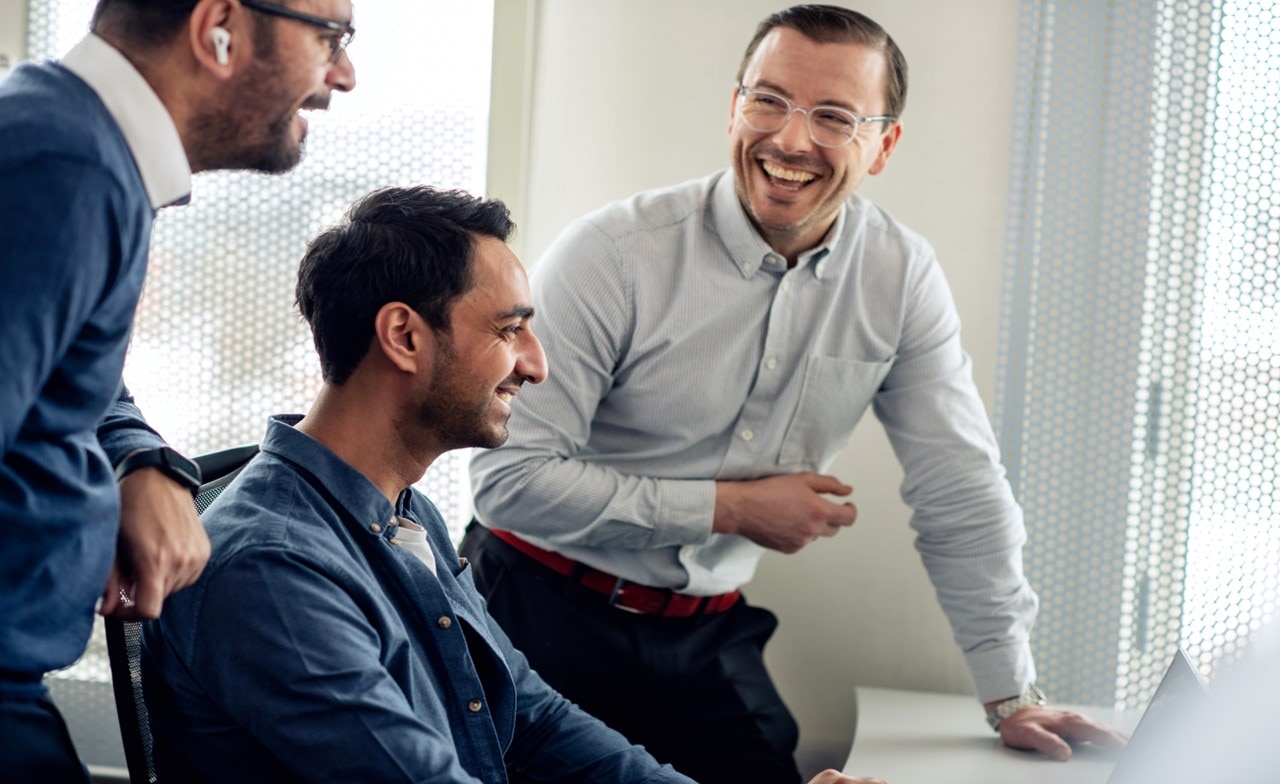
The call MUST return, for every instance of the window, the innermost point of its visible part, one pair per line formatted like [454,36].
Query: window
[217,345]
[1140,383]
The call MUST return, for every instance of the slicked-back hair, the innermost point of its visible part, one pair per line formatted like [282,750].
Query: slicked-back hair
[829,24]
[411,245]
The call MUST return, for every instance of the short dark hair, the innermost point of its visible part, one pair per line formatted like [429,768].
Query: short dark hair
[144,23]
[412,245]
[147,24]
[829,24]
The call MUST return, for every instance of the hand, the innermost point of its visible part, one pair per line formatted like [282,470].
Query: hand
[1047,730]
[836,777]
[785,512]
[162,546]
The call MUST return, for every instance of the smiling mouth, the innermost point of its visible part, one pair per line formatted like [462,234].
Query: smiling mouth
[787,179]
[506,396]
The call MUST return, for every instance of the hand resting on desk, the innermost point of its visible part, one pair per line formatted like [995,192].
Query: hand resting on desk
[1051,731]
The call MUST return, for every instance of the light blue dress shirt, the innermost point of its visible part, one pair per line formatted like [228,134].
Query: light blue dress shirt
[683,351]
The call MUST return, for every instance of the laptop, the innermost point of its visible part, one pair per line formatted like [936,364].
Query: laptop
[1180,696]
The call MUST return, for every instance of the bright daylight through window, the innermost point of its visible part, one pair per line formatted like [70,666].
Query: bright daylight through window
[218,345]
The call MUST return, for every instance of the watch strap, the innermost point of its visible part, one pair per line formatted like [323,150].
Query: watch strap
[178,468]
[1003,710]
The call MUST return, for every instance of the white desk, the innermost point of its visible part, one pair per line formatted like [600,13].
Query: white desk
[907,737]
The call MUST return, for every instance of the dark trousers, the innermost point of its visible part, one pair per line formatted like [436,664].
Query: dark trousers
[693,691]
[34,743]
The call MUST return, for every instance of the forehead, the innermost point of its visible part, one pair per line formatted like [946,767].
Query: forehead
[500,284]
[846,74]
[337,10]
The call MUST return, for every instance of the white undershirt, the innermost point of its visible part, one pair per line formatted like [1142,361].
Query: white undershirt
[413,538]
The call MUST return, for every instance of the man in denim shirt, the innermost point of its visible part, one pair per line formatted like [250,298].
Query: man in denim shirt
[335,634]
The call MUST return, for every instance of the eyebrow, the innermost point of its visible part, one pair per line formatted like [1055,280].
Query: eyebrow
[780,90]
[520,312]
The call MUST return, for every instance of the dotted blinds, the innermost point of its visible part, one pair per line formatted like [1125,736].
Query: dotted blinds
[218,345]
[1139,389]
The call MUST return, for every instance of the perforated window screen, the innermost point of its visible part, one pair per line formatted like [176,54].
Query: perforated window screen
[1139,390]
[218,345]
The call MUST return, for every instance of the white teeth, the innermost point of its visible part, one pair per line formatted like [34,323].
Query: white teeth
[774,170]
[505,397]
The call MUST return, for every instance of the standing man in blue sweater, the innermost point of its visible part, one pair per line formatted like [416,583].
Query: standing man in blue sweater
[90,148]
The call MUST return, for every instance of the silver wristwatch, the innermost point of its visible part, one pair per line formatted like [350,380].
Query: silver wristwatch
[1003,710]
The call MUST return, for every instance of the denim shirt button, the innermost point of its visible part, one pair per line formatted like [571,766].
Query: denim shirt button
[474,706]
[375,528]
[444,622]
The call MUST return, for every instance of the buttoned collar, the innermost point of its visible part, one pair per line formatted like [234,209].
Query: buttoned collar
[359,497]
[747,249]
[143,119]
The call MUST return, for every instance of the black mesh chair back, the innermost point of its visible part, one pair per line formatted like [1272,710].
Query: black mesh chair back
[124,638]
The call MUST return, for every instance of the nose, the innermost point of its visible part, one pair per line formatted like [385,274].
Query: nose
[532,362]
[342,74]
[794,133]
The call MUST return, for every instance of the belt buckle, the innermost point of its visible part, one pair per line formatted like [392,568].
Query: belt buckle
[616,594]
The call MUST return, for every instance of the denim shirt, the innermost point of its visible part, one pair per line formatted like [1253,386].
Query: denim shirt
[314,648]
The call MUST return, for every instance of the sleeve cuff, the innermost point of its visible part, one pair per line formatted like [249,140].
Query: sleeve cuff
[685,511]
[1001,672]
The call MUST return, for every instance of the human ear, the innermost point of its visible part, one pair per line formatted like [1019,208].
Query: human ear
[888,142]
[210,31]
[402,336]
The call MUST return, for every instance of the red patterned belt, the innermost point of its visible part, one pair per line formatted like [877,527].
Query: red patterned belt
[624,594]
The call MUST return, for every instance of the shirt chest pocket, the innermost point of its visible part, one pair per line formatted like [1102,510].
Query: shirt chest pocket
[834,394]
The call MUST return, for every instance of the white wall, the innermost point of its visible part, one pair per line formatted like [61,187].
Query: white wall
[13,33]
[857,609]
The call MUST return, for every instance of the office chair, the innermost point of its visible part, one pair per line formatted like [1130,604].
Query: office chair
[124,638]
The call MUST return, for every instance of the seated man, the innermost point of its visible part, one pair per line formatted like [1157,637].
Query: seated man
[335,634]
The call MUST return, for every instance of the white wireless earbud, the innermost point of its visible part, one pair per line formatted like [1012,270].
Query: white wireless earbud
[221,40]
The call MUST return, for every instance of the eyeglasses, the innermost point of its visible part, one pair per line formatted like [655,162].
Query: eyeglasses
[338,42]
[829,126]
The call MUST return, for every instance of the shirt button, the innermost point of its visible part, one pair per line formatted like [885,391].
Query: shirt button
[771,363]
[474,706]
[444,622]
[375,528]
[686,552]
[747,435]
[786,284]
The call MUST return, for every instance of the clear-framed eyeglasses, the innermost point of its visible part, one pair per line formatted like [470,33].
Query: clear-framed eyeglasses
[829,126]
[340,33]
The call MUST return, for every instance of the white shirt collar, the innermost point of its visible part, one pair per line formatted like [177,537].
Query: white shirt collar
[147,127]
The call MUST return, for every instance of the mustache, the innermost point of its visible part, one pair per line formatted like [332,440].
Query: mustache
[771,151]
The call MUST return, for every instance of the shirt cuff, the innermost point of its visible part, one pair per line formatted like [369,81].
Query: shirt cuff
[1001,672]
[685,511]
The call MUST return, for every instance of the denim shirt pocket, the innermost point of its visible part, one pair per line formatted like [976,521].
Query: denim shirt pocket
[833,396]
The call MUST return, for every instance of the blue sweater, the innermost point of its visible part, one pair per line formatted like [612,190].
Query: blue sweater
[73,254]
[314,649]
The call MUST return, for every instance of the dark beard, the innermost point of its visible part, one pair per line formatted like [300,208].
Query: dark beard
[235,138]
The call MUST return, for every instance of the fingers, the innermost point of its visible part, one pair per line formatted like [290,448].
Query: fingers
[149,591]
[825,483]
[1076,727]
[1049,744]
[162,546]
[1048,731]
[112,595]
